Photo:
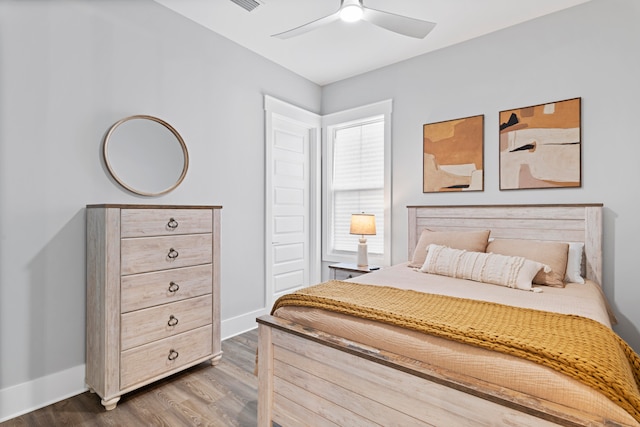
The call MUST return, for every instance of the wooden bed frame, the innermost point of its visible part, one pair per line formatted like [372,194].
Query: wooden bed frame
[308,377]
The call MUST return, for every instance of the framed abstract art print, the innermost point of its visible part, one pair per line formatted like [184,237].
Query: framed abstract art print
[540,146]
[453,155]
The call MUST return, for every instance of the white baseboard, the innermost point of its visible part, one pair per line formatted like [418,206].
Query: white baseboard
[26,397]
[240,324]
[29,396]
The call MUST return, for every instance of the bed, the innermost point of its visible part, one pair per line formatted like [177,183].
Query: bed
[318,367]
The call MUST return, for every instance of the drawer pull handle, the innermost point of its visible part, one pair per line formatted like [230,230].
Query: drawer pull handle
[173,355]
[173,287]
[172,224]
[173,254]
[173,320]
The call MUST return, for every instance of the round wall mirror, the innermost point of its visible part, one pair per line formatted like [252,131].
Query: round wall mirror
[145,155]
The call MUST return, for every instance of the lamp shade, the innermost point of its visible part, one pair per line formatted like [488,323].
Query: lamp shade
[363,224]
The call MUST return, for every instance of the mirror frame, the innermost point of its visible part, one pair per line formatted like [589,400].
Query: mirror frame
[183,146]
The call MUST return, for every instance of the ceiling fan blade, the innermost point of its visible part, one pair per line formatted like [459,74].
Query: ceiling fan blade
[308,26]
[398,24]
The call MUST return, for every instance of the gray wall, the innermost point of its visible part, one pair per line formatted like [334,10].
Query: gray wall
[68,70]
[589,51]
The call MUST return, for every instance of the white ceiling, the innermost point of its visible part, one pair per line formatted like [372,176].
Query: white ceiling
[340,50]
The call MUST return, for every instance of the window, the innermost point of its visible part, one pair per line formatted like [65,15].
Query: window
[357,179]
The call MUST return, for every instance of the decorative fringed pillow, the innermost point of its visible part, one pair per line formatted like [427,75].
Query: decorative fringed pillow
[552,254]
[510,271]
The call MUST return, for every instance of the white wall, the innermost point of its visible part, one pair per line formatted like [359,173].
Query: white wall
[589,51]
[68,70]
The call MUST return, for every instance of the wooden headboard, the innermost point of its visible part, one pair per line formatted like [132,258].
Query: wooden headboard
[564,223]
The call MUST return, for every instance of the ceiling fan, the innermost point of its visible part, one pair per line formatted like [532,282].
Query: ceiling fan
[354,10]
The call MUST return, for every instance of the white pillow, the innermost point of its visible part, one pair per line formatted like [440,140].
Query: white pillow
[503,270]
[574,263]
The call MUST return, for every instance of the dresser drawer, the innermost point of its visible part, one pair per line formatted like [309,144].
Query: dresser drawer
[162,222]
[151,324]
[150,360]
[148,289]
[144,254]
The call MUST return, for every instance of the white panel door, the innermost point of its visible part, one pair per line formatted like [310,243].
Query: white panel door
[291,232]
[289,238]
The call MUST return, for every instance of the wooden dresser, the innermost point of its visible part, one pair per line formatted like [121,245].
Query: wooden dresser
[153,294]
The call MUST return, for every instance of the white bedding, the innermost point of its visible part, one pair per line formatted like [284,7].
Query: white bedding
[584,300]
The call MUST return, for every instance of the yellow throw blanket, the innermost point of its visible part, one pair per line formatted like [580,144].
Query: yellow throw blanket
[577,346]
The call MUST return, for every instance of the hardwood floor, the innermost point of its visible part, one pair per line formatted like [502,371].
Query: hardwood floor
[205,395]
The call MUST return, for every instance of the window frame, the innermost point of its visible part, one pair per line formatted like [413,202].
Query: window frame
[329,123]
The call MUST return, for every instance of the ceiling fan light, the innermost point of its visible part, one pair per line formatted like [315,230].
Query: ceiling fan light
[351,13]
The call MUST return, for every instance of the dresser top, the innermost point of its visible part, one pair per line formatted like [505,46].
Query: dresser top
[128,206]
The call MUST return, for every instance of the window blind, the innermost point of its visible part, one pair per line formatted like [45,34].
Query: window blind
[358,182]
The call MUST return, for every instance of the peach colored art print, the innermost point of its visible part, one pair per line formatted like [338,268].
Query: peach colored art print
[540,146]
[453,155]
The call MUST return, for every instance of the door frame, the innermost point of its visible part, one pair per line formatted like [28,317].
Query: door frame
[284,111]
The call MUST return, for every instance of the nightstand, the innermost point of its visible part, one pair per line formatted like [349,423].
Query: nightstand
[345,271]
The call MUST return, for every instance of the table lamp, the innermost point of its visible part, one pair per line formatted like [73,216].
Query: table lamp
[364,225]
